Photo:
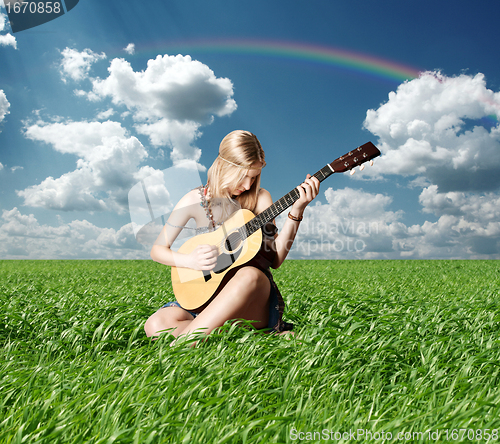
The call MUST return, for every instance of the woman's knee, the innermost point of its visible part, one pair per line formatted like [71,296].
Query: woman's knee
[250,285]
[251,277]
[150,326]
[164,319]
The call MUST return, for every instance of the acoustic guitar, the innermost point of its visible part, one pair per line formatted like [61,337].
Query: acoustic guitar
[239,239]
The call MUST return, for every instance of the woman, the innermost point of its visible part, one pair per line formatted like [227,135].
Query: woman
[234,178]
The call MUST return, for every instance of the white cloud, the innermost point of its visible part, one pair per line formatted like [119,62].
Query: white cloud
[178,135]
[22,237]
[91,97]
[472,220]
[484,207]
[170,100]
[104,115]
[431,127]
[78,138]
[130,49]
[76,65]
[16,224]
[4,110]
[3,18]
[4,105]
[172,87]
[6,39]
[454,237]
[15,168]
[107,167]
[468,227]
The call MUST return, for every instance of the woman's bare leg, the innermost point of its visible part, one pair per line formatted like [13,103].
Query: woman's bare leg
[168,318]
[245,296]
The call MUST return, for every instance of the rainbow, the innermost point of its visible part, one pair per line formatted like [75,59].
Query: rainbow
[302,52]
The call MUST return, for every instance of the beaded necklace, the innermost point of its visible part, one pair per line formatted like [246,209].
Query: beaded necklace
[206,205]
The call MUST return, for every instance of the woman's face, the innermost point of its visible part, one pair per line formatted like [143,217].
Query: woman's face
[246,183]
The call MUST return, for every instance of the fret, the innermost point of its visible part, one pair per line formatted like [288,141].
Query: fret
[322,174]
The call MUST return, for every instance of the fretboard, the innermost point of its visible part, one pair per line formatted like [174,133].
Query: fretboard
[281,205]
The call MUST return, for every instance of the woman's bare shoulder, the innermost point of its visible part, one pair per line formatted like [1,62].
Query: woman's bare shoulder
[188,207]
[264,200]
[190,198]
[263,193]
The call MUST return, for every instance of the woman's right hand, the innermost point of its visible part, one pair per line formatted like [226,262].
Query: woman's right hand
[203,257]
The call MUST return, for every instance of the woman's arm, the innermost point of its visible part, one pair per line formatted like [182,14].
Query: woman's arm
[284,241]
[203,257]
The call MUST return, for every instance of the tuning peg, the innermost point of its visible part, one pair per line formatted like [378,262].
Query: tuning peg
[371,162]
[362,167]
[352,171]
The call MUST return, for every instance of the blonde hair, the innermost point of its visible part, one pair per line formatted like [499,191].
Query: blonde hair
[238,151]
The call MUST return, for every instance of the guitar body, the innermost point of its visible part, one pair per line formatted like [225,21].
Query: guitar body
[193,288]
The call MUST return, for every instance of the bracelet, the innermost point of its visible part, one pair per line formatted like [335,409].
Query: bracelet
[296,219]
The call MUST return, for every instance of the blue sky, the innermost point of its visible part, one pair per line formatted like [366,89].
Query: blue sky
[96,100]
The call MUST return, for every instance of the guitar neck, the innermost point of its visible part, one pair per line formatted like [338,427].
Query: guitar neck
[282,204]
[347,162]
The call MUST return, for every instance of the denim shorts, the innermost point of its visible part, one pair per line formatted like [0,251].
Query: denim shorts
[273,307]
[176,304]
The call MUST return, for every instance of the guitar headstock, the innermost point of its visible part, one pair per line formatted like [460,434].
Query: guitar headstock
[356,157]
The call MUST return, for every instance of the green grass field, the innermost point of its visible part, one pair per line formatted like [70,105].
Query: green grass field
[382,347]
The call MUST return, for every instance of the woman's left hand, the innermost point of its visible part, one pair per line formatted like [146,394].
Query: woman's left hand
[308,190]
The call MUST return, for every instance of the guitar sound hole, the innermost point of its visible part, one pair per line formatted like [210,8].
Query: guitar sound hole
[233,241]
